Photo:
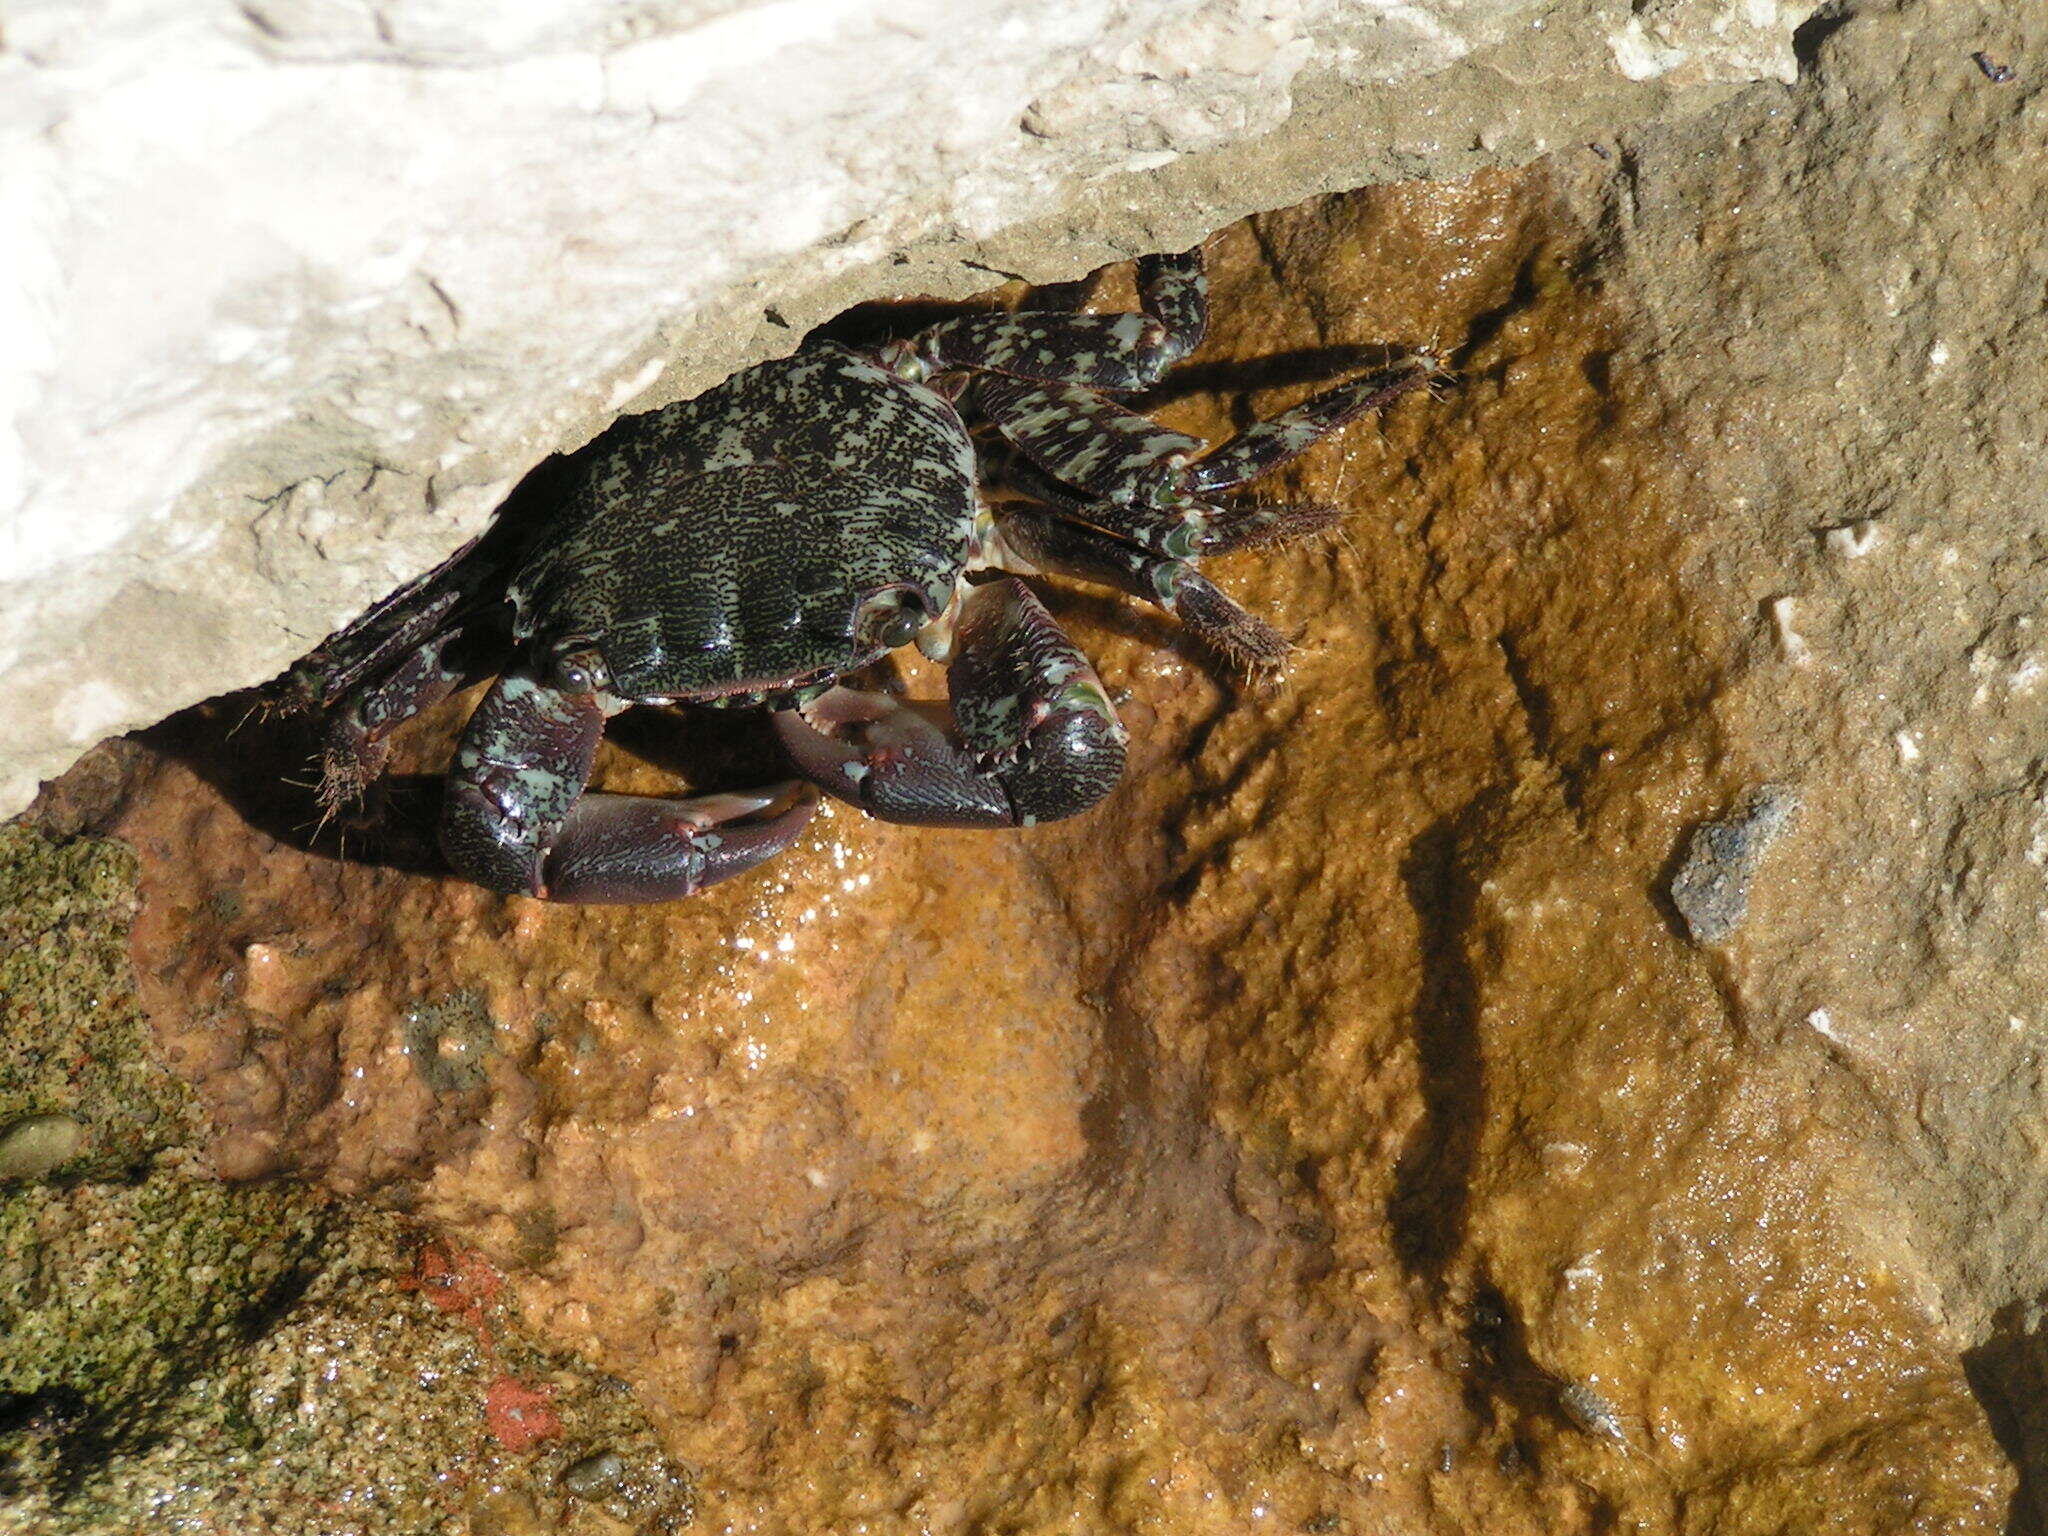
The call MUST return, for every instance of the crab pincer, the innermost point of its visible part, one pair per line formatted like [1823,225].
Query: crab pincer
[1038,739]
[517,819]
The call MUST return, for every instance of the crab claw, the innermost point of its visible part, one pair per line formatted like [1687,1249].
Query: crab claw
[516,818]
[1039,739]
[639,848]
[888,758]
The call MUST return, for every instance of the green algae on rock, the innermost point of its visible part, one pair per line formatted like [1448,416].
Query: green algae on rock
[72,1037]
[181,1353]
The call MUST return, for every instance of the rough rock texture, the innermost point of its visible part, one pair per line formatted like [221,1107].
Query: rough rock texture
[177,1353]
[302,286]
[1337,1131]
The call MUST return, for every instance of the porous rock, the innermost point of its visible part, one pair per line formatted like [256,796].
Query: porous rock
[177,1351]
[1711,888]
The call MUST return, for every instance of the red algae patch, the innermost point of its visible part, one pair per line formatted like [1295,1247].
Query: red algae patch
[518,1416]
[1334,1132]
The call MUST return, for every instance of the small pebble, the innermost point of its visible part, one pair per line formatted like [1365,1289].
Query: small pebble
[595,1474]
[1711,890]
[31,1147]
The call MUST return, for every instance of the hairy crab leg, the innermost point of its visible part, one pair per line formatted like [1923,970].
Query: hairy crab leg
[1045,541]
[1269,444]
[1038,739]
[354,744]
[516,818]
[400,623]
[1144,482]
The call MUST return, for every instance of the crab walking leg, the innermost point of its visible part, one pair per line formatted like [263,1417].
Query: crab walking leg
[516,818]
[1038,737]
[1120,472]
[1117,352]
[1094,446]
[1269,444]
[1043,541]
[1174,291]
[354,744]
[397,625]
[1144,482]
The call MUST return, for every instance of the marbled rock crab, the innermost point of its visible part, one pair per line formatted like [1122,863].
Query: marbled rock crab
[768,539]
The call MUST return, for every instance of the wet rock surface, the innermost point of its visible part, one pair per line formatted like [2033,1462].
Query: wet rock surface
[1338,1130]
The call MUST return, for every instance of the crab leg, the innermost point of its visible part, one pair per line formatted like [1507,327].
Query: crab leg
[398,624]
[1038,737]
[1046,542]
[1269,444]
[1091,445]
[1120,352]
[1122,473]
[353,747]
[516,818]
[1174,291]
[1142,481]
[1117,352]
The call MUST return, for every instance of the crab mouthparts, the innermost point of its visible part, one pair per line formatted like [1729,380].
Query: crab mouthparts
[762,684]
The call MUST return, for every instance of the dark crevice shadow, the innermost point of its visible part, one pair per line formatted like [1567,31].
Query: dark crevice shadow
[1432,1175]
[1490,323]
[1811,35]
[2008,1373]
[710,750]
[266,767]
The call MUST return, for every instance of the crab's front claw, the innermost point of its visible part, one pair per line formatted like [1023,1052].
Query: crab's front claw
[621,848]
[887,757]
[638,848]
[516,818]
[1038,738]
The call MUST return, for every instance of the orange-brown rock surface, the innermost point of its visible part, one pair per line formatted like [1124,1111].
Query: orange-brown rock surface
[1334,1132]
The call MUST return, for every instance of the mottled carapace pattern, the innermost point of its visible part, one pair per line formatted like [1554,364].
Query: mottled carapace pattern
[760,515]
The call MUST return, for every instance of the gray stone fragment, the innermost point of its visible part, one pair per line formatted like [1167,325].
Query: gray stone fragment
[34,1145]
[1711,890]
[594,1475]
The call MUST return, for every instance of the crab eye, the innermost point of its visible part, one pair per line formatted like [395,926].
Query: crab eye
[900,628]
[581,671]
[894,619]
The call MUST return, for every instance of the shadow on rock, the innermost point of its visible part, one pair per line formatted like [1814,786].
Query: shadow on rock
[1433,1177]
[2008,1373]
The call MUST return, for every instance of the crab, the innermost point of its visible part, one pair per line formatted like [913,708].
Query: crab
[765,543]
